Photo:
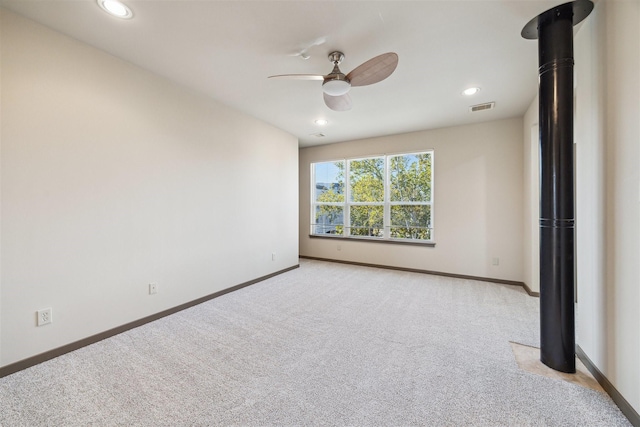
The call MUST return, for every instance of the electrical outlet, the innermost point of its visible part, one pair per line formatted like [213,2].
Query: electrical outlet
[339,248]
[153,288]
[496,261]
[45,316]
[273,256]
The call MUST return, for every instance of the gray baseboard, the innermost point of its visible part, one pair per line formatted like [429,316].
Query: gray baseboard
[616,396]
[47,355]
[435,273]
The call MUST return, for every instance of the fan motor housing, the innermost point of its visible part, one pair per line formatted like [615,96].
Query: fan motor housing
[336,83]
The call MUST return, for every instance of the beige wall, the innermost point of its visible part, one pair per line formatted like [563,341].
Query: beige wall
[477,201]
[607,55]
[113,178]
[531,199]
[1,13]
[591,180]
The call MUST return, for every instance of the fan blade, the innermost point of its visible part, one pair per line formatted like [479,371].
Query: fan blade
[374,70]
[298,76]
[338,103]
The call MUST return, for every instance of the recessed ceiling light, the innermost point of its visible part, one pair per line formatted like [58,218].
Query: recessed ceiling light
[115,8]
[321,122]
[471,91]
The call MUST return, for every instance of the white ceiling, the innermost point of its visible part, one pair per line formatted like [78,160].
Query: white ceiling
[226,50]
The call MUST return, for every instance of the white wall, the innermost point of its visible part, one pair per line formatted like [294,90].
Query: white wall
[112,178]
[531,199]
[591,179]
[1,12]
[477,201]
[607,55]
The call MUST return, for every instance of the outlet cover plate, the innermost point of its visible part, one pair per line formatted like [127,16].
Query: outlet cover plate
[44,316]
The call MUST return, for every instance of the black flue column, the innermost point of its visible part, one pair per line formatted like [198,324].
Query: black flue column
[554,31]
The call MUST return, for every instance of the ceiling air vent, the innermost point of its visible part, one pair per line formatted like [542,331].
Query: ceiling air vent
[319,135]
[482,107]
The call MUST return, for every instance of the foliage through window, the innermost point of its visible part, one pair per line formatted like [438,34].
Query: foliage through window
[385,197]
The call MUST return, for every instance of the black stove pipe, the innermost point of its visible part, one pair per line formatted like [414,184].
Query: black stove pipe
[554,30]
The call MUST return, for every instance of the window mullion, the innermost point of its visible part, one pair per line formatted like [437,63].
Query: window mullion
[387,198]
[346,211]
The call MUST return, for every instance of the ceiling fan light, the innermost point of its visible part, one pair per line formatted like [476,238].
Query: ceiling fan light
[336,87]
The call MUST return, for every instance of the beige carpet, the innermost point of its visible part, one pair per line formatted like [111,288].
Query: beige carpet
[323,345]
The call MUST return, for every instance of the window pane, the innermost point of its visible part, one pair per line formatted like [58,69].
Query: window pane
[328,220]
[411,222]
[410,178]
[329,182]
[366,180]
[366,221]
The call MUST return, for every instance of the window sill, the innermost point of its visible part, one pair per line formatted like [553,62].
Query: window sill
[428,244]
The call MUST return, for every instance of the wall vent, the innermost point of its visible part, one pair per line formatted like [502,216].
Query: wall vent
[482,107]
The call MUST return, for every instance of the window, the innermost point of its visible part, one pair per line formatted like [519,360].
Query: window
[328,198]
[381,198]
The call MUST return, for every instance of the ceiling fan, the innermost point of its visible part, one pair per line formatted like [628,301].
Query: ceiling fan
[336,85]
